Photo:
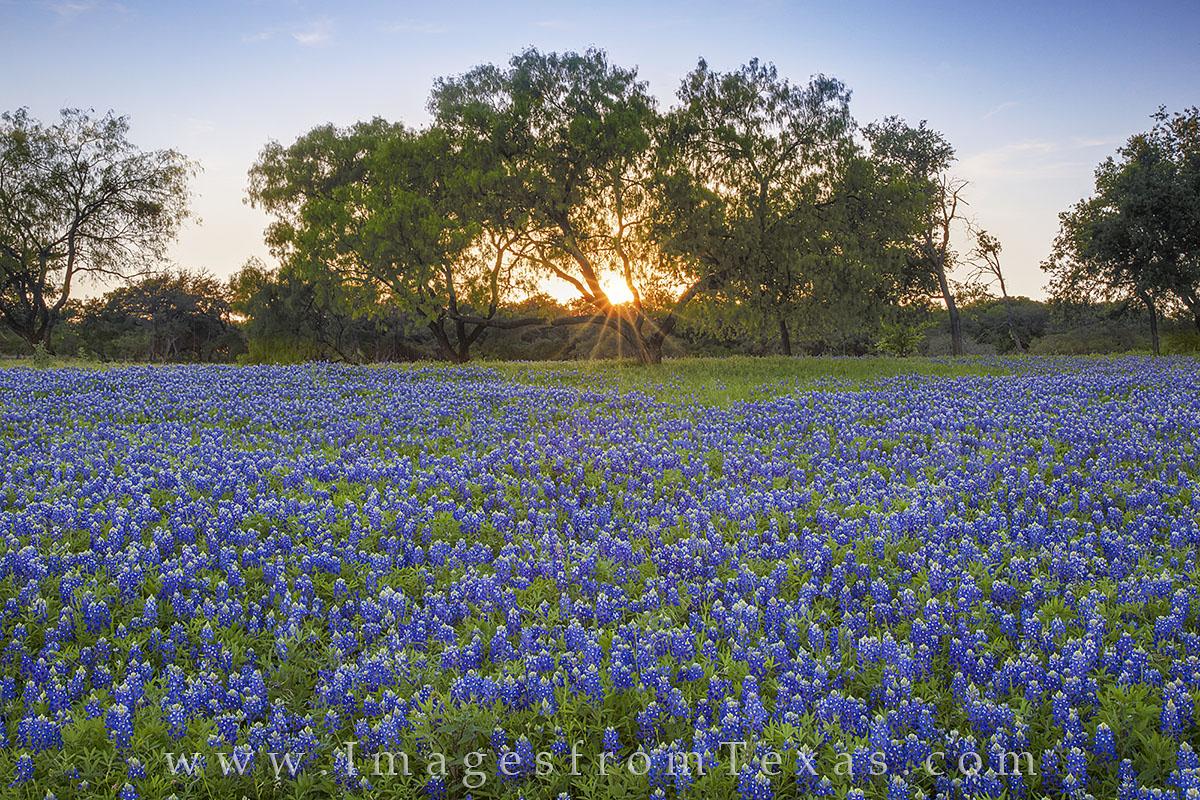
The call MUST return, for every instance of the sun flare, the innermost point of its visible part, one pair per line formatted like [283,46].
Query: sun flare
[613,285]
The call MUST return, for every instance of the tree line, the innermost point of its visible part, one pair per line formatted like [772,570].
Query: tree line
[753,212]
[177,316]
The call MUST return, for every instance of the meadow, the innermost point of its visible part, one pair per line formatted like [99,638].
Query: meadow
[743,578]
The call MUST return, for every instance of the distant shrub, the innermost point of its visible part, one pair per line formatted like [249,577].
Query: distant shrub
[41,356]
[938,343]
[1090,339]
[1181,342]
[280,350]
[901,338]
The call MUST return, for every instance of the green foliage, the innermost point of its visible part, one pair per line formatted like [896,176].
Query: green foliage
[387,220]
[901,338]
[175,316]
[762,179]
[41,356]
[917,159]
[1078,329]
[987,322]
[1138,235]
[281,350]
[290,318]
[748,159]
[1183,342]
[578,141]
[751,196]
[80,200]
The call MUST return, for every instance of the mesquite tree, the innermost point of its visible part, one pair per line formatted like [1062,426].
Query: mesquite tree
[751,163]
[921,157]
[986,268]
[77,199]
[1138,236]
[579,138]
[398,220]
[1096,258]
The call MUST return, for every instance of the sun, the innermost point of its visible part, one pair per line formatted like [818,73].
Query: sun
[617,290]
[613,285]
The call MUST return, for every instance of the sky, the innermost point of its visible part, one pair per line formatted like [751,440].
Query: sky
[1032,95]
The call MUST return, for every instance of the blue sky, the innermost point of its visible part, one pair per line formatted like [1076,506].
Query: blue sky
[1032,95]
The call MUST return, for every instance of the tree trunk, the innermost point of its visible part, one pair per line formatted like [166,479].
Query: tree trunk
[956,337]
[652,353]
[1154,344]
[1012,326]
[648,351]
[458,350]
[629,326]
[30,336]
[1008,315]
[1193,305]
[785,337]
[463,350]
[445,349]
[1155,348]
[42,337]
[35,328]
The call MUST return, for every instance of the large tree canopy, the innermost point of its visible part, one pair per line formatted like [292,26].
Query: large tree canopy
[579,139]
[1138,236]
[918,159]
[749,162]
[78,199]
[404,221]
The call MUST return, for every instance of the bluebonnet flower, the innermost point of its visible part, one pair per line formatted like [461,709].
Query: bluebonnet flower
[1104,743]
[24,770]
[119,722]
[753,784]
[435,788]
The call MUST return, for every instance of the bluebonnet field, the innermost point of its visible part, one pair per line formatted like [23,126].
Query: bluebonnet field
[254,560]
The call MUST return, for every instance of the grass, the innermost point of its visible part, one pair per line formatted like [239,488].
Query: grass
[722,381]
[54,362]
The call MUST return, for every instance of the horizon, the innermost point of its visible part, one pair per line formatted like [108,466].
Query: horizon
[1032,108]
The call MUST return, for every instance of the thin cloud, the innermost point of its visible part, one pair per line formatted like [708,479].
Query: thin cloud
[1097,141]
[553,24]
[314,34]
[70,9]
[197,126]
[428,28]
[1030,159]
[1005,106]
